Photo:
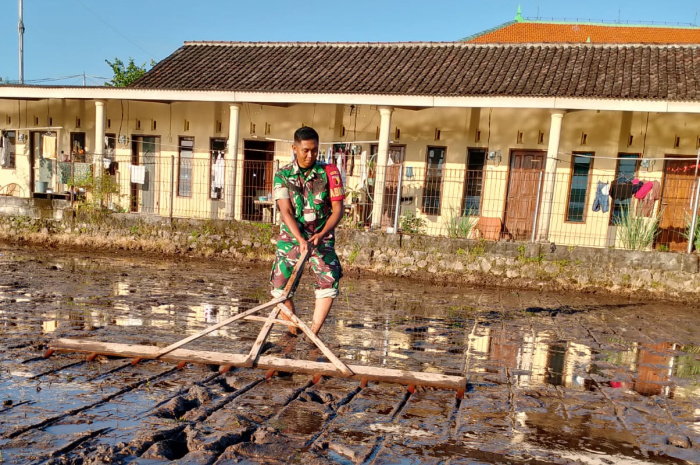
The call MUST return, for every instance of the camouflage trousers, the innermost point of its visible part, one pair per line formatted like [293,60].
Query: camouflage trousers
[323,260]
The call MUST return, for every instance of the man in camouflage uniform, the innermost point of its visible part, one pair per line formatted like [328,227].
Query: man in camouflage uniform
[309,197]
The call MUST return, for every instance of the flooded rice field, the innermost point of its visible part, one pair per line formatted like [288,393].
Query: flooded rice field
[552,378]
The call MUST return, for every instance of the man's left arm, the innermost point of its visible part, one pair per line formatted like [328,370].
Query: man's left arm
[336,195]
[337,210]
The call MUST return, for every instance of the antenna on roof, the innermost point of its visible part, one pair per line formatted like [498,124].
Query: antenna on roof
[20,29]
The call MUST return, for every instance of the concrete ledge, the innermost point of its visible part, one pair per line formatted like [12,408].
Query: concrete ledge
[507,264]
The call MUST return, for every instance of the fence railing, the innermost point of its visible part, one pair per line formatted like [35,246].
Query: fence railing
[580,206]
[593,208]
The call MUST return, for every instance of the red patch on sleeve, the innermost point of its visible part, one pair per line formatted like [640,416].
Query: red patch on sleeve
[335,183]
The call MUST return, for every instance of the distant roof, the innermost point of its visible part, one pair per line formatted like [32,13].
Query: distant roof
[522,31]
[433,69]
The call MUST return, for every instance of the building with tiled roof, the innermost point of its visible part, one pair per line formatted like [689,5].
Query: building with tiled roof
[518,137]
[531,31]
[413,70]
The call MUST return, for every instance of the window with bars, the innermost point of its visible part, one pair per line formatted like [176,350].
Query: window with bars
[432,188]
[473,182]
[184,167]
[578,189]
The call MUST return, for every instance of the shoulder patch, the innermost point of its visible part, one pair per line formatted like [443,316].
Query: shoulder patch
[335,182]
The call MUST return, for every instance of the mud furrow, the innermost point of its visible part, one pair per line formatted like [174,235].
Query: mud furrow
[180,391]
[55,370]
[372,457]
[225,401]
[109,372]
[24,402]
[77,442]
[334,414]
[74,411]
[295,395]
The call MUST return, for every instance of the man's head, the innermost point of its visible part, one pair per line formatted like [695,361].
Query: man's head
[305,147]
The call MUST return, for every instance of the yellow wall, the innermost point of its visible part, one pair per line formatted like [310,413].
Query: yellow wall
[607,135]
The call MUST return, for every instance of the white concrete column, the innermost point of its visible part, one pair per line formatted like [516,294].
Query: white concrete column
[549,179]
[380,167]
[99,136]
[232,197]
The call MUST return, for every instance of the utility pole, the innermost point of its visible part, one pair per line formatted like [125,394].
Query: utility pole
[84,83]
[20,29]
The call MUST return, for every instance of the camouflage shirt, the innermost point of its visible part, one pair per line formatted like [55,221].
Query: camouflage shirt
[311,193]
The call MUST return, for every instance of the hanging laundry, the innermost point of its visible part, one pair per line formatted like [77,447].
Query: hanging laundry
[48,146]
[351,170]
[646,186]
[621,190]
[219,166]
[138,174]
[646,204]
[64,173]
[602,197]
[363,168]
[4,150]
[82,170]
[113,168]
[636,185]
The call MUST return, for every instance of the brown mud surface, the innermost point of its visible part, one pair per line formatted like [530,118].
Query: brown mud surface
[553,377]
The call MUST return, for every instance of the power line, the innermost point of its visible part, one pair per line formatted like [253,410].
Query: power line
[115,29]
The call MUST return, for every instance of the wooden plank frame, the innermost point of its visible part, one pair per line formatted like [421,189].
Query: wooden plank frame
[359,372]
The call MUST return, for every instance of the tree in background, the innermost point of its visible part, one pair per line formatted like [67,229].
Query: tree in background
[126,74]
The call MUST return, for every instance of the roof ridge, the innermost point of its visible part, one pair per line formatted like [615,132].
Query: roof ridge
[486,31]
[442,44]
[602,23]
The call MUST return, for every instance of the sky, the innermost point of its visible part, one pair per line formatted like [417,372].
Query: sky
[71,37]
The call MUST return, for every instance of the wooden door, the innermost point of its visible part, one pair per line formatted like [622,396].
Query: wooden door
[676,195]
[258,174]
[521,199]
[397,154]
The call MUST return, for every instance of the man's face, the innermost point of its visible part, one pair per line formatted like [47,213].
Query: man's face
[306,152]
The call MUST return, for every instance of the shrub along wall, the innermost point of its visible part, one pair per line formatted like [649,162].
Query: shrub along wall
[508,264]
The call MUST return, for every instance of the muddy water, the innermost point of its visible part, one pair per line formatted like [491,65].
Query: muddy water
[553,378]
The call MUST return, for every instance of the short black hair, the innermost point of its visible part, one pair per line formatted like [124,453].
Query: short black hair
[305,133]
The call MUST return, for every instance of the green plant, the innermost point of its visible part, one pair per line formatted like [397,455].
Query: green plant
[695,235]
[100,192]
[353,254]
[636,232]
[411,224]
[479,248]
[459,225]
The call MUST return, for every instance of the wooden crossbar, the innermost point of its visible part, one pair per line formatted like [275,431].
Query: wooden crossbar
[359,372]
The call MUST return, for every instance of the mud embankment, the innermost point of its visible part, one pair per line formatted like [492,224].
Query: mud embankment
[546,267]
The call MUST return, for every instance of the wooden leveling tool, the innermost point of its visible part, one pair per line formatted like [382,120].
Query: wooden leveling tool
[174,352]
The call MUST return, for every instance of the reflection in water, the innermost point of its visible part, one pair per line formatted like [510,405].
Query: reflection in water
[376,322]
